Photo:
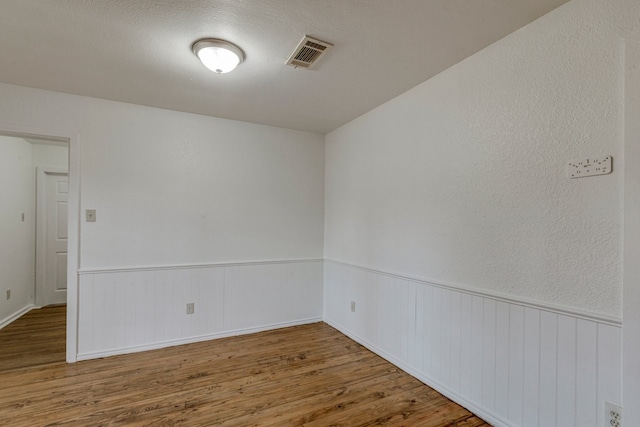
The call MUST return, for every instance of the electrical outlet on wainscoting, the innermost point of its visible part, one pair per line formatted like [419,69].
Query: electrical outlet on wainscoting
[612,415]
[190,308]
[8,293]
[353,306]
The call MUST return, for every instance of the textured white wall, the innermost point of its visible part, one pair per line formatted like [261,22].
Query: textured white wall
[17,181]
[462,179]
[175,188]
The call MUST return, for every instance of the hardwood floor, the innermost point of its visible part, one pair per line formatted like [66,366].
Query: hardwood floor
[37,338]
[309,375]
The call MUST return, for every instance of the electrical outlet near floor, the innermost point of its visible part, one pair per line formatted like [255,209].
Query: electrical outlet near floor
[8,293]
[612,415]
[353,306]
[190,308]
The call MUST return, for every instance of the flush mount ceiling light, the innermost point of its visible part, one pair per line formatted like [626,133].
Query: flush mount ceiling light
[219,56]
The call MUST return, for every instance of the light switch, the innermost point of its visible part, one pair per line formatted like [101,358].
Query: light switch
[91,215]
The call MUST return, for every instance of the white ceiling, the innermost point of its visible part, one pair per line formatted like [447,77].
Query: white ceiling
[138,51]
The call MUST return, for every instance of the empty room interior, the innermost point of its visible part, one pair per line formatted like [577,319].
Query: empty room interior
[368,212]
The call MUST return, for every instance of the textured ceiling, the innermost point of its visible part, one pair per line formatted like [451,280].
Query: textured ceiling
[138,51]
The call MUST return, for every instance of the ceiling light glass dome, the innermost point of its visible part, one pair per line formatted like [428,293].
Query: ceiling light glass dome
[219,56]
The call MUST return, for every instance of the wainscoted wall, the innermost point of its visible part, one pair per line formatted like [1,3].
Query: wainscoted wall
[514,363]
[129,310]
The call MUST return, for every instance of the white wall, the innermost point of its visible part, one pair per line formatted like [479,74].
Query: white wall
[175,190]
[17,181]
[463,178]
[460,184]
[50,155]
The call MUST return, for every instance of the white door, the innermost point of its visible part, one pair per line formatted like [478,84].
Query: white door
[55,257]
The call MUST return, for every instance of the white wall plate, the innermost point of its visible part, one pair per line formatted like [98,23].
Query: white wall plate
[589,167]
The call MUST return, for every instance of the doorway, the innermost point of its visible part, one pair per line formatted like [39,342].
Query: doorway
[34,188]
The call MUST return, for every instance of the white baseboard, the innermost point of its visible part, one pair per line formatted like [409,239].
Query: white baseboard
[471,406]
[200,338]
[15,316]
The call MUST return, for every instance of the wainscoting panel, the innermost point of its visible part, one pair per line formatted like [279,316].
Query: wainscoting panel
[130,310]
[515,363]
[270,294]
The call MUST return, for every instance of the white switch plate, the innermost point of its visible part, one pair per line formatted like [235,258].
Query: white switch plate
[91,215]
[353,306]
[190,308]
[589,167]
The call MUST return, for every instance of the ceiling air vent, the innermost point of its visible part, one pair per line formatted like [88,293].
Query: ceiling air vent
[308,53]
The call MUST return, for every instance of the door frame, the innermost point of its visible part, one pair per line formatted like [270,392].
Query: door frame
[41,228]
[72,138]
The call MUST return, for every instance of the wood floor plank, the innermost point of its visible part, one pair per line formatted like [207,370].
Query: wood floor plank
[472,421]
[308,375]
[37,338]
